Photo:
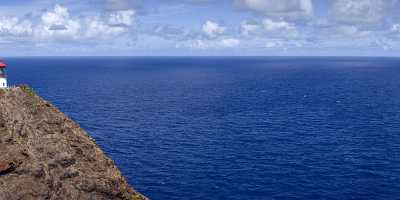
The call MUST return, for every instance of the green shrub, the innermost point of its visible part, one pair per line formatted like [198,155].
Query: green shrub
[28,90]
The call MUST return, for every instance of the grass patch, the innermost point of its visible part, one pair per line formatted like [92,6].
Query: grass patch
[28,90]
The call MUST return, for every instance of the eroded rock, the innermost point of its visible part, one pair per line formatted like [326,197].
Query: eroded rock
[6,167]
[45,155]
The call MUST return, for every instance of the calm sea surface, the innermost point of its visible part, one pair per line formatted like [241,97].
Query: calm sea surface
[235,128]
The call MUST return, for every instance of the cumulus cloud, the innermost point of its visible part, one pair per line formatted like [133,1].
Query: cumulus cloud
[58,25]
[202,44]
[395,28]
[274,44]
[394,31]
[122,18]
[212,36]
[213,29]
[268,24]
[272,26]
[359,12]
[249,28]
[168,32]
[230,42]
[351,31]
[290,9]
[269,28]
[193,44]
[98,29]
[13,26]
[59,15]
[51,23]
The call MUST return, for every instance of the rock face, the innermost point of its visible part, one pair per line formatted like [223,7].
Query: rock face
[45,155]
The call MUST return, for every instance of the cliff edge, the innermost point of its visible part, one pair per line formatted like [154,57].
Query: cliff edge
[45,155]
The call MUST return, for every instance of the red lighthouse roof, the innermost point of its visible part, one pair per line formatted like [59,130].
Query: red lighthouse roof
[2,64]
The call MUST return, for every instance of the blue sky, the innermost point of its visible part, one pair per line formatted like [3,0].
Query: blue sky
[200,27]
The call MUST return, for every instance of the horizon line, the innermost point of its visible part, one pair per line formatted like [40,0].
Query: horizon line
[200,56]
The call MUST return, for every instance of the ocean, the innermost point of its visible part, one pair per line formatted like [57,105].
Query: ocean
[235,128]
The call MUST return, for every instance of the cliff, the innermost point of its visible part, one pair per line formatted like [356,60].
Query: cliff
[45,155]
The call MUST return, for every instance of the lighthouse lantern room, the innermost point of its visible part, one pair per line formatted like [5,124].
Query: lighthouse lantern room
[3,75]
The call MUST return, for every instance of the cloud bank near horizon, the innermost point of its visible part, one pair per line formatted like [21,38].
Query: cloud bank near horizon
[200,27]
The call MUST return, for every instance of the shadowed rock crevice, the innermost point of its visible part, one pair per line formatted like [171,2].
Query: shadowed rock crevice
[45,155]
[6,167]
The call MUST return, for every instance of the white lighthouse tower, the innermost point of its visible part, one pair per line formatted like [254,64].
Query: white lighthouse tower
[3,75]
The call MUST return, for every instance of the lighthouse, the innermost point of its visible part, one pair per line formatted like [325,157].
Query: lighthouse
[3,75]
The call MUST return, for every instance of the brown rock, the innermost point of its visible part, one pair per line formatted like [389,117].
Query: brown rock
[5,167]
[45,155]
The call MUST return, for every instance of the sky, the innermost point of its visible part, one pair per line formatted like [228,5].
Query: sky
[200,28]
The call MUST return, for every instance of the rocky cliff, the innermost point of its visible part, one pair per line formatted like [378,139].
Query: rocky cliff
[45,155]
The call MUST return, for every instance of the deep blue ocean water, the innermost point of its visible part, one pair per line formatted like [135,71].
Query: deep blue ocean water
[235,128]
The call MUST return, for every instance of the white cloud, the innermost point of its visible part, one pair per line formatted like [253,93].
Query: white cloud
[291,9]
[58,25]
[351,31]
[230,42]
[96,28]
[59,15]
[359,12]
[213,29]
[272,26]
[395,28]
[394,31]
[269,28]
[273,44]
[122,18]
[193,44]
[247,28]
[225,43]
[216,38]
[13,26]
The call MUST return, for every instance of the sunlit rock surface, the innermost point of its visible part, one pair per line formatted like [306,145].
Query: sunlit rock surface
[45,155]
